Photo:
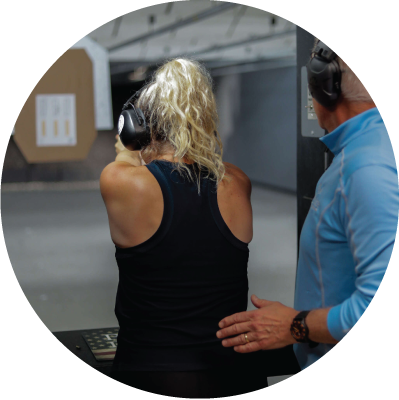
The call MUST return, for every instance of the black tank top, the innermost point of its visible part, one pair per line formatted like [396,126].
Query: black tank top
[175,287]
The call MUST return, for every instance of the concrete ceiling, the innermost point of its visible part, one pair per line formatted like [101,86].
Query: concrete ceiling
[217,33]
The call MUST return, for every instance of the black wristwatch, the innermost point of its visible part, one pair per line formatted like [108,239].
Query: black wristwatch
[300,331]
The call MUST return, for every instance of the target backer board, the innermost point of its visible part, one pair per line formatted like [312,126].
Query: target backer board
[102,82]
[57,122]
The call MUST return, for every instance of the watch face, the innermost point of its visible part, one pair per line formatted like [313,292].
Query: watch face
[298,331]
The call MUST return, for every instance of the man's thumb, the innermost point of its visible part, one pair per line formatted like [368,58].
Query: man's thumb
[258,303]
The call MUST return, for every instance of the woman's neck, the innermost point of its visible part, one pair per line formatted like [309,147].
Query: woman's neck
[171,157]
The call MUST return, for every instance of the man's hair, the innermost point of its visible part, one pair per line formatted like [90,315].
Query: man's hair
[180,108]
[352,90]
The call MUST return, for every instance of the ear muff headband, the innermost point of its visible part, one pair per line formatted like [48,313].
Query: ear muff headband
[324,75]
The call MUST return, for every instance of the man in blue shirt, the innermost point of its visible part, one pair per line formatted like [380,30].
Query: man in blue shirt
[348,235]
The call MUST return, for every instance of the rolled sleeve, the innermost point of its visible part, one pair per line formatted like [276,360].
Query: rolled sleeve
[370,204]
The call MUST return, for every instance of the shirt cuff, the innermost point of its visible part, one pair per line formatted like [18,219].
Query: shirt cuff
[334,323]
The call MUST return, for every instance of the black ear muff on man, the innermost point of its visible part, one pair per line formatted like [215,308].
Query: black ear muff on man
[324,75]
[132,127]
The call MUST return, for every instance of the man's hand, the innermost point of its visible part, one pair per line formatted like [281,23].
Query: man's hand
[266,328]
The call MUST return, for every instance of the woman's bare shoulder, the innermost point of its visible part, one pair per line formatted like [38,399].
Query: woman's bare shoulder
[120,179]
[237,177]
[232,169]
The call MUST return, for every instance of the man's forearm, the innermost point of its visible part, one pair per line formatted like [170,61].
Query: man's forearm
[317,324]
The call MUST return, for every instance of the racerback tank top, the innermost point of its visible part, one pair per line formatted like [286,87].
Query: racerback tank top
[175,287]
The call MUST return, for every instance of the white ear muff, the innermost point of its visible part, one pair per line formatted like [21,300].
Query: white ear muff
[121,123]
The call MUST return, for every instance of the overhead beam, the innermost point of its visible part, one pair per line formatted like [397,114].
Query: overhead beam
[129,66]
[168,8]
[265,64]
[184,22]
[117,25]
[236,21]
[253,39]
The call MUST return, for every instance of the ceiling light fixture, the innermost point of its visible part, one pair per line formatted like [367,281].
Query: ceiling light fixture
[138,74]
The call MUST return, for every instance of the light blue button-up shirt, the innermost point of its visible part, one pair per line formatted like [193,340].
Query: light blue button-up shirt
[349,232]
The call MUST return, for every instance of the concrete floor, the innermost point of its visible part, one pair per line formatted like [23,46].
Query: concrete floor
[60,248]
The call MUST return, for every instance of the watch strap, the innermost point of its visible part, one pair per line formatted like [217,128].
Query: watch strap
[301,317]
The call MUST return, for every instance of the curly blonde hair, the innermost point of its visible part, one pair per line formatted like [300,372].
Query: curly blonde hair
[180,108]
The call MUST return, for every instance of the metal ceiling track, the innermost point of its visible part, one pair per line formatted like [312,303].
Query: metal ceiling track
[184,22]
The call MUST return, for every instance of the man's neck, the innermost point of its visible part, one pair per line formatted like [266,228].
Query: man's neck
[344,111]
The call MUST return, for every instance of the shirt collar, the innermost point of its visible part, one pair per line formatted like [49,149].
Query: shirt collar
[350,129]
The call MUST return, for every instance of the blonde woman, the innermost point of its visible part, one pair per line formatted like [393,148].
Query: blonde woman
[181,224]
